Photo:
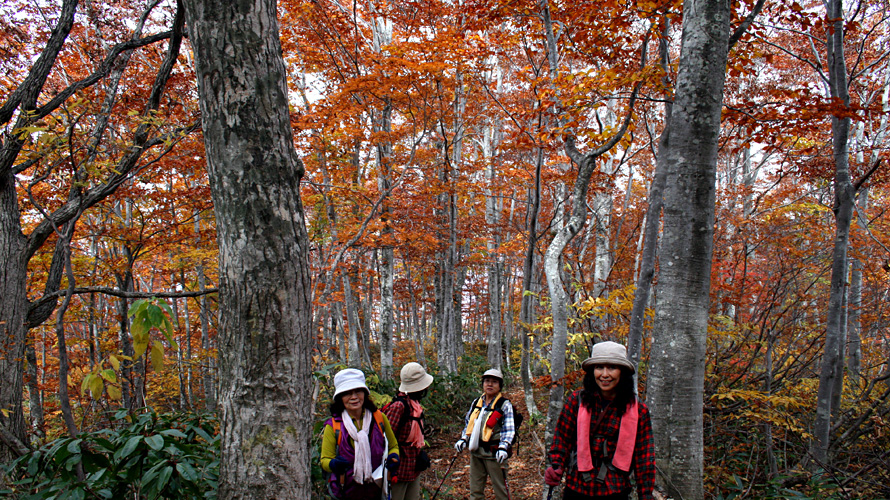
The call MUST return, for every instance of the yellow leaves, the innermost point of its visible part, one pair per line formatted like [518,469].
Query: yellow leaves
[779,410]
[157,356]
[114,392]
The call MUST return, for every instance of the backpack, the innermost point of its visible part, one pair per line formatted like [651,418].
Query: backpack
[406,416]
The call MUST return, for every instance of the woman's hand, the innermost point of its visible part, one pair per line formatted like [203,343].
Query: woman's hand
[339,465]
[552,476]
[392,462]
[460,445]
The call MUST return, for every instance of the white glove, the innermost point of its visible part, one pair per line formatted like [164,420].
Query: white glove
[460,445]
[501,456]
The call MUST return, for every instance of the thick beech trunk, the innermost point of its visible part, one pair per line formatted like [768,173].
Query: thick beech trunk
[264,336]
[677,356]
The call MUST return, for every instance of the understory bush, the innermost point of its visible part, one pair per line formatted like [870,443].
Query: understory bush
[143,456]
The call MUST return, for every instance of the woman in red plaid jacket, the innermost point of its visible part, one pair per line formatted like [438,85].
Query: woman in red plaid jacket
[604,433]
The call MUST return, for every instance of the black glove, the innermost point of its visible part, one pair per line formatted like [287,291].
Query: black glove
[339,465]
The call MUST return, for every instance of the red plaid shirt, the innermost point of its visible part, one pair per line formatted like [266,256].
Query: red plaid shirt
[407,454]
[616,481]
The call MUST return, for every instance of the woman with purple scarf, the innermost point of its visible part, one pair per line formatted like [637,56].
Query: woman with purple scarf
[358,441]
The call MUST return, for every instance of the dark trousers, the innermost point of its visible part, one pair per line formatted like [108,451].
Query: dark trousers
[568,494]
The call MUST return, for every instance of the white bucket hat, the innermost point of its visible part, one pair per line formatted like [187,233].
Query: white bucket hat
[414,378]
[608,353]
[495,373]
[347,380]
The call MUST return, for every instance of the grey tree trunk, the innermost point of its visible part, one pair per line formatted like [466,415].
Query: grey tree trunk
[642,293]
[264,335]
[831,373]
[677,356]
[527,308]
[353,356]
[208,366]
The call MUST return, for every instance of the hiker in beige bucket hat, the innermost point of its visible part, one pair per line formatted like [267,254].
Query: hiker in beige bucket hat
[406,415]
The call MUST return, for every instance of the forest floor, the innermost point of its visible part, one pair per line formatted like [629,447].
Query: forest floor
[525,476]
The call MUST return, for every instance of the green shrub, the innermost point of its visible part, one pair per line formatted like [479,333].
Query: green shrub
[144,456]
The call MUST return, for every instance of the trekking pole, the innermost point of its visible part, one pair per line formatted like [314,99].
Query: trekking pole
[446,475]
[506,486]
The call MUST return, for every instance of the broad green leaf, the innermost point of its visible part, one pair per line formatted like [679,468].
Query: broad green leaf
[173,433]
[85,384]
[137,307]
[128,448]
[155,316]
[74,446]
[109,375]
[186,471]
[114,362]
[164,477]
[155,442]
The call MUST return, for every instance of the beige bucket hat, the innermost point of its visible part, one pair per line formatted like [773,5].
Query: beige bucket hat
[414,378]
[608,353]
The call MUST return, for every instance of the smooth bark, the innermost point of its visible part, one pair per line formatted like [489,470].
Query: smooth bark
[677,357]
[831,374]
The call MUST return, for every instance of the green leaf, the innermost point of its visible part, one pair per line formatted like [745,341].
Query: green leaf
[155,442]
[174,433]
[109,375]
[164,477]
[187,471]
[128,448]
[137,307]
[74,446]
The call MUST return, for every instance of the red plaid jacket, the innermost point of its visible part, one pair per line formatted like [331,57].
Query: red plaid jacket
[407,454]
[616,481]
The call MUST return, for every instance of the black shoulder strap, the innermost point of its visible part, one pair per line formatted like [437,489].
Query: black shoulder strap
[406,414]
[500,403]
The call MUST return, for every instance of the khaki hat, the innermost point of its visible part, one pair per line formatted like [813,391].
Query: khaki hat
[608,353]
[347,380]
[494,372]
[414,378]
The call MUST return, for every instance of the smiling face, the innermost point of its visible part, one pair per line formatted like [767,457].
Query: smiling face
[353,401]
[607,377]
[491,387]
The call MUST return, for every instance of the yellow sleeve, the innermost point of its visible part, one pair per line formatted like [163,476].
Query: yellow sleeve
[328,448]
[390,436]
